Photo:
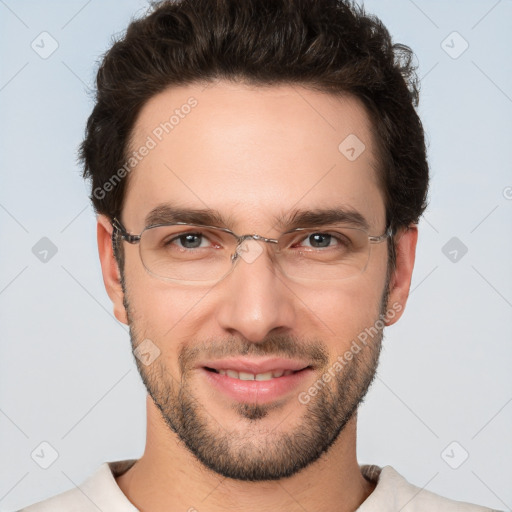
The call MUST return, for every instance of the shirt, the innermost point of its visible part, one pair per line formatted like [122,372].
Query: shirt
[392,494]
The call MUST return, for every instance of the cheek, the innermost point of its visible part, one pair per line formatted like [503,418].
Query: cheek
[338,313]
[159,310]
[164,312]
[346,308]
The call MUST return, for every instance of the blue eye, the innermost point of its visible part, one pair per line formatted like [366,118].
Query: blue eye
[189,240]
[319,240]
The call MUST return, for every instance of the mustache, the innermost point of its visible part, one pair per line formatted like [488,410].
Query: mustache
[278,345]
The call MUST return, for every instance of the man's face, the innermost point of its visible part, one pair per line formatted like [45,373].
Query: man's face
[253,154]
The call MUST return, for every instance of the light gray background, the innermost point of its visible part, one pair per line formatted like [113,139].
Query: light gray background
[67,376]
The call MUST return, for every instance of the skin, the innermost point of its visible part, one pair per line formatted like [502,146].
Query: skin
[252,153]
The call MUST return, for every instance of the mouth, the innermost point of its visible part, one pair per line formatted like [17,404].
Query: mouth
[256,381]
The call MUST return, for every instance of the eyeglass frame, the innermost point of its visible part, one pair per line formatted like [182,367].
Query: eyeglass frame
[135,239]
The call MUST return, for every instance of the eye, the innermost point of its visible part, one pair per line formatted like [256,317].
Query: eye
[192,240]
[320,240]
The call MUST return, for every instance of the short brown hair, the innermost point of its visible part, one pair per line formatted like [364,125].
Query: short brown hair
[329,45]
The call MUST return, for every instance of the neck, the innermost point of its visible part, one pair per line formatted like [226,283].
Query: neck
[169,478]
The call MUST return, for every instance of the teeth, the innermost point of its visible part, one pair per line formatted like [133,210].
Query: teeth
[265,376]
[258,376]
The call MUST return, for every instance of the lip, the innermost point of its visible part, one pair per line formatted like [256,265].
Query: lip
[255,391]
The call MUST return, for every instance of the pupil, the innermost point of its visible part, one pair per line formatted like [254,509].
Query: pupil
[323,240]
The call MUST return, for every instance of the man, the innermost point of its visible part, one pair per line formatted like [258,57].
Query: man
[258,170]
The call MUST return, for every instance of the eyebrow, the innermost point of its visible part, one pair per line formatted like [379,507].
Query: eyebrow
[169,214]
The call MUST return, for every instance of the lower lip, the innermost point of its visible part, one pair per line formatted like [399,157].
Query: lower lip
[257,391]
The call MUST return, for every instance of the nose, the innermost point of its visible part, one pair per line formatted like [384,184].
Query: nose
[255,297]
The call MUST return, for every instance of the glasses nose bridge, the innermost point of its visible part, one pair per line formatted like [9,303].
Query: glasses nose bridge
[240,239]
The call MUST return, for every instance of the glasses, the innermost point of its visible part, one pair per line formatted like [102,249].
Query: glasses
[198,253]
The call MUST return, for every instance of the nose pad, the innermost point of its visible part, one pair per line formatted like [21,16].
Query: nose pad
[253,247]
[249,250]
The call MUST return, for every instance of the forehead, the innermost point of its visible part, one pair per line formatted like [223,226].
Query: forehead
[252,153]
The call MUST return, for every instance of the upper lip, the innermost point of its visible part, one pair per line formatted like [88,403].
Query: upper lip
[255,366]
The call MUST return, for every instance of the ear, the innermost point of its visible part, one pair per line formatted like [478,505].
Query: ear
[400,280]
[109,268]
